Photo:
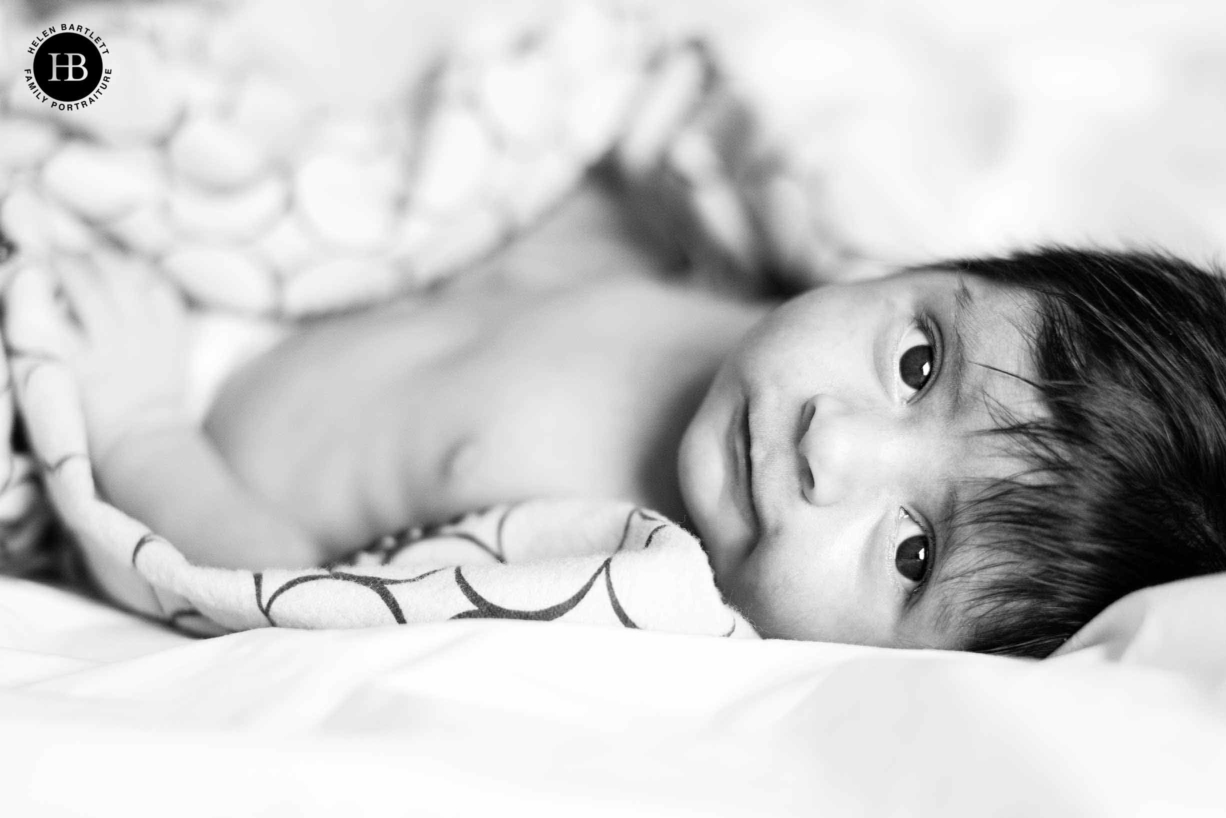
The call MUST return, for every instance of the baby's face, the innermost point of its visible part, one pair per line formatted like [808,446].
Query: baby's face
[836,438]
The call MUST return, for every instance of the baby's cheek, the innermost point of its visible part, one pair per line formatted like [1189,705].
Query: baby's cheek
[768,365]
[770,589]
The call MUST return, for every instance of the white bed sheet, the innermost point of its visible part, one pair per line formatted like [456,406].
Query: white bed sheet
[105,714]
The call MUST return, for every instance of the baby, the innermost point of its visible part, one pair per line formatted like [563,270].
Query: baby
[977,454]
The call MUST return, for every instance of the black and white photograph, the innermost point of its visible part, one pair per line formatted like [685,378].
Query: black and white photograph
[657,408]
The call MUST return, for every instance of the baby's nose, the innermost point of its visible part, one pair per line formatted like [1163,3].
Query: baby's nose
[843,452]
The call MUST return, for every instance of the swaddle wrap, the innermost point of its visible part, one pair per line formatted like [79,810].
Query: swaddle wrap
[588,562]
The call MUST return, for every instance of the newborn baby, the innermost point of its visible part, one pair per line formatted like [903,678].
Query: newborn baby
[861,462]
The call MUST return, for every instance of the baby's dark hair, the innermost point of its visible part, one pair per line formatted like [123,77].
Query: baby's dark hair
[1127,467]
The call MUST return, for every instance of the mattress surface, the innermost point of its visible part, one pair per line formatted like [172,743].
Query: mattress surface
[108,714]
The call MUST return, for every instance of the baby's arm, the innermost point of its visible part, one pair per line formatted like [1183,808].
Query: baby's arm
[128,349]
[172,479]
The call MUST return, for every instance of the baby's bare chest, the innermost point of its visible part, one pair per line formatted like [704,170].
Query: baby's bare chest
[362,425]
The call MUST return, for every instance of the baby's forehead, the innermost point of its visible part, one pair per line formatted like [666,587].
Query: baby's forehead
[1001,401]
[989,333]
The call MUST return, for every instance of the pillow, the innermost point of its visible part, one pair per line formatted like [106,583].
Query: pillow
[1178,626]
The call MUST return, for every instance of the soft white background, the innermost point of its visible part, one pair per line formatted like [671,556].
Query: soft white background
[937,127]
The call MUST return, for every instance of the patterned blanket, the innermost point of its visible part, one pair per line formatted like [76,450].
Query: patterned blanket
[572,561]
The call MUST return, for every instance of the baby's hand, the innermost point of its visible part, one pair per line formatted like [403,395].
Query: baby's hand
[127,347]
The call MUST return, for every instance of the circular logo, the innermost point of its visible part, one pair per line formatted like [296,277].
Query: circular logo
[67,66]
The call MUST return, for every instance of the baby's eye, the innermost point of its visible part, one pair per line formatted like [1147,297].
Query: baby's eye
[915,360]
[913,554]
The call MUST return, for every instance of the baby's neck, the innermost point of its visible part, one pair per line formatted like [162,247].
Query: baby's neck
[660,483]
[708,332]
